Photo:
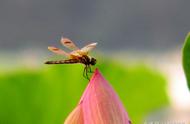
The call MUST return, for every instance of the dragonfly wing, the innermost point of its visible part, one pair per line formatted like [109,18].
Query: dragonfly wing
[58,51]
[85,50]
[68,43]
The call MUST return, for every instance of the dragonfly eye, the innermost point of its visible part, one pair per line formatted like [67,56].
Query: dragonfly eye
[93,61]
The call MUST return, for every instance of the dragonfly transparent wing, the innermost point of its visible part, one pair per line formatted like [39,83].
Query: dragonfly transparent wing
[68,43]
[58,51]
[85,50]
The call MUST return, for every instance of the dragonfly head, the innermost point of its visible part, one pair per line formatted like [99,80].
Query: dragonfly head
[93,61]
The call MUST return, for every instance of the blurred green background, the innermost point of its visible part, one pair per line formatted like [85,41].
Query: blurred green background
[47,95]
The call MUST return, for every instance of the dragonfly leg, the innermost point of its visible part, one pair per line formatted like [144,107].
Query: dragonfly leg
[90,69]
[87,67]
[84,72]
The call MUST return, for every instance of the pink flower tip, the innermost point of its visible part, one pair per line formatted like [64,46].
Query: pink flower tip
[99,104]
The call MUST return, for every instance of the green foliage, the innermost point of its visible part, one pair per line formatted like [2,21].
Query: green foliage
[48,95]
[186,58]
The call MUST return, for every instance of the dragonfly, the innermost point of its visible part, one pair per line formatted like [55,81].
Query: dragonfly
[76,55]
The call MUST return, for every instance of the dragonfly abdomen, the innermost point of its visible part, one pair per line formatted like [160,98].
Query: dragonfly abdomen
[69,61]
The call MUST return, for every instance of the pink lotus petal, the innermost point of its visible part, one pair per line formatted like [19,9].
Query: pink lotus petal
[100,104]
[76,116]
